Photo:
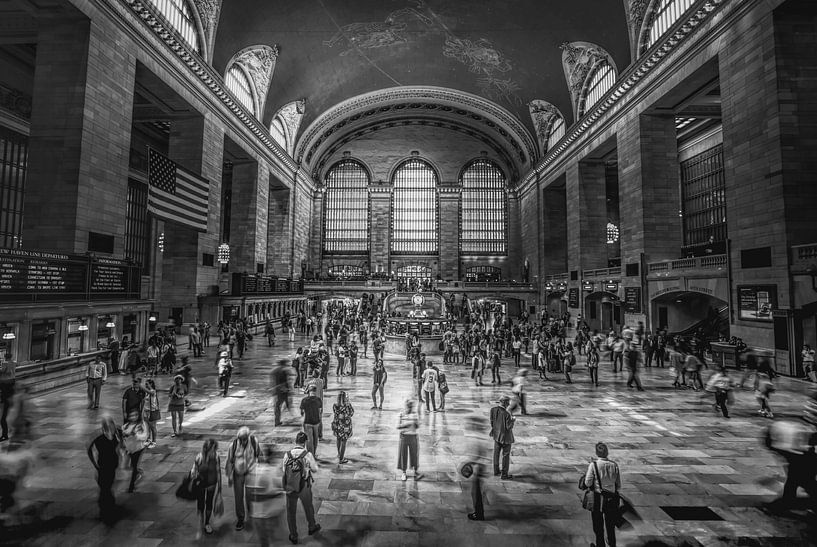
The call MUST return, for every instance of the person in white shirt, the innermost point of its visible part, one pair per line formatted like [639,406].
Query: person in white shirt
[429,387]
[304,491]
[95,375]
[603,478]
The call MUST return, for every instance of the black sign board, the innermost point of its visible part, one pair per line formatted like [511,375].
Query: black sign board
[33,275]
[248,284]
[756,302]
[573,298]
[632,299]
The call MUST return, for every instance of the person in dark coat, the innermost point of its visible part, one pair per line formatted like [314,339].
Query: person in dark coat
[502,432]
[106,461]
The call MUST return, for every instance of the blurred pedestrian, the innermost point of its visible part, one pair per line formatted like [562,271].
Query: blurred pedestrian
[106,445]
[407,451]
[207,468]
[242,458]
[134,435]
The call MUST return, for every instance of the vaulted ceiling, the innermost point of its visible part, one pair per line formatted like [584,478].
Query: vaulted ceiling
[501,52]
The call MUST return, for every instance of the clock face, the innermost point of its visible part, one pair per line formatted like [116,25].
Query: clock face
[418,299]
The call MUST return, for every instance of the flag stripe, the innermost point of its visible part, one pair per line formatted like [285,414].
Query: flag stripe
[175,194]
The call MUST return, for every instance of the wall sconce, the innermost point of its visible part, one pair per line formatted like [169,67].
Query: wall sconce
[8,332]
[82,327]
[224,253]
[152,317]
[110,324]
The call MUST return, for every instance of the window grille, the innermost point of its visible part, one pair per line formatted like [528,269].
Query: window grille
[557,131]
[483,219]
[603,79]
[666,14]
[346,209]
[239,85]
[414,209]
[279,133]
[178,14]
[137,223]
[703,194]
[13,164]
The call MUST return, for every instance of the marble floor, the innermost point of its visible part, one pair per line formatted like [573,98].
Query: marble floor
[693,477]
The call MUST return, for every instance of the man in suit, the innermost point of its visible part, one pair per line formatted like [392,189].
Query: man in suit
[502,433]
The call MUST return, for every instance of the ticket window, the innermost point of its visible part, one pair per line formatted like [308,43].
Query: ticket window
[103,331]
[8,342]
[130,323]
[42,340]
[77,340]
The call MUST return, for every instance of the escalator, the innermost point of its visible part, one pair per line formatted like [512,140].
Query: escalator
[713,327]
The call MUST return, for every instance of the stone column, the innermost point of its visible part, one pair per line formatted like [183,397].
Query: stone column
[379,226]
[279,239]
[316,233]
[248,219]
[196,144]
[449,235]
[586,216]
[554,237]
[516,253]
[648,185]
[79,146]
[301,222]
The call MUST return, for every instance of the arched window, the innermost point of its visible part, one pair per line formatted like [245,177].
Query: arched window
[178,14]
[238,83]
[346,209]
[603,79]
[557,131]
[665,14]
[279,133]
[414,209]
[484,216]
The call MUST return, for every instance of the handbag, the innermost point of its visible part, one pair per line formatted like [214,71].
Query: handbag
[189,487]
[218,503]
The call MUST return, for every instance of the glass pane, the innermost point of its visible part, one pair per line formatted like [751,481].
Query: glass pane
[483,209]
[414,209]
[346,209]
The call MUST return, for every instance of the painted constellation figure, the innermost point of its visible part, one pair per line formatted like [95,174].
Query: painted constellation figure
[376,34]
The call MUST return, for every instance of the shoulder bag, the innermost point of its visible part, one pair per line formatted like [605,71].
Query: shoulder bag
[610,501]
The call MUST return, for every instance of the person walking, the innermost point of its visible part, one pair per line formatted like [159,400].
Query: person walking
[407,451]
[312,410]
[207,467]
[502,423]
[175,404]
[496,362]
[633,359]
[379,377]
[281,378]
[242,457]
[720,384]
[106,445]
[520,398]
[517,351]
[152,413]
[95,375]
[133,398]
[353,354]
[618,346]
[604,480]
[808,363]
[299,467]
[342,424]
[265,497]
[225,371]
[430,387]
[592,352]
[134,435]
[113,347]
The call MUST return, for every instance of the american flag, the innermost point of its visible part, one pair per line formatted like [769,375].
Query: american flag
[176,195]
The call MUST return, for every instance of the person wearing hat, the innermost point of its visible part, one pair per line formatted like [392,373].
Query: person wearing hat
[225,370]
[175,403]
[312,410]
[502,432]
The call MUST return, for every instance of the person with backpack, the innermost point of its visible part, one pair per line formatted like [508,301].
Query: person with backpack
[242,458]
[603,480]
[299,466]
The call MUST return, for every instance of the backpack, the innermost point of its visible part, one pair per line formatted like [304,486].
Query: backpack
[294,473]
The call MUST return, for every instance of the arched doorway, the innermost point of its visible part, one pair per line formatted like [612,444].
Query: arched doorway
[688,312]
[602,311]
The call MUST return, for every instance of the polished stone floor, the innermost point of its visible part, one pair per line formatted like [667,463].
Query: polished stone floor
[693,477]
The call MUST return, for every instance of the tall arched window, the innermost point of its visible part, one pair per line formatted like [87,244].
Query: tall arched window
[346,209]
[603,79]
[414,209]
[664,15]
[239,85]
[178,14]
[484,216]
[279,133]
[557,131]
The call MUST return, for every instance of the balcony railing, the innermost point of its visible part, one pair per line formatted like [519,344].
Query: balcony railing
[712,262]
[602,273]
[557,277]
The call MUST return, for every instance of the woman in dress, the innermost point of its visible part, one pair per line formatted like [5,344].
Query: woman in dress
[407,451]
[175,403]
[342,424]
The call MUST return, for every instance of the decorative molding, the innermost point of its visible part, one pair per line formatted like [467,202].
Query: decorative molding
[213,82]
[543,114]
[636,72]
[259,62]
[290,115]
[635,11]
[209,15]
[472,109]
[578,61]
[15,101]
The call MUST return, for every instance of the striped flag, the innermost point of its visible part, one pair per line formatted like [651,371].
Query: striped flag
[175,194]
